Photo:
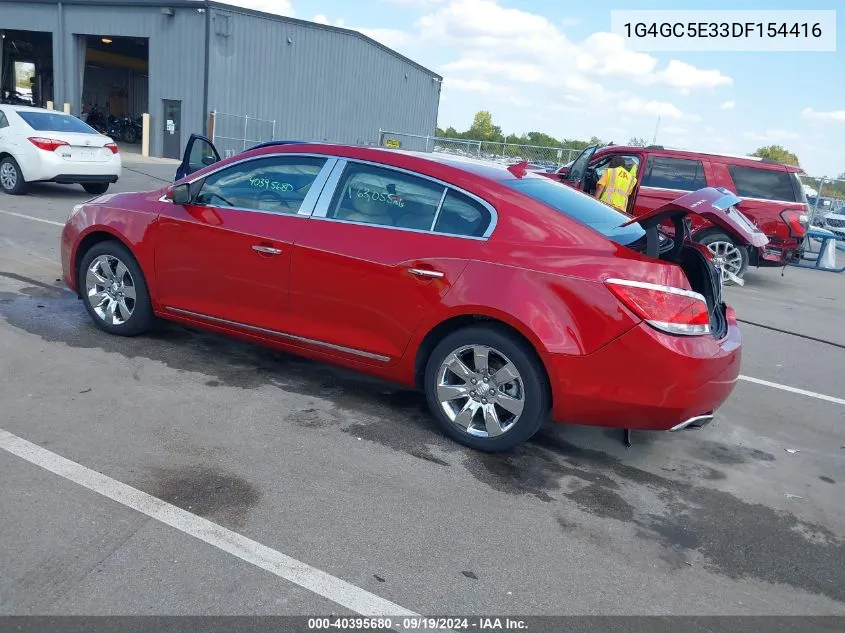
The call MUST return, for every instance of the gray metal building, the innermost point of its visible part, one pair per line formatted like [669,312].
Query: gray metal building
[181,60]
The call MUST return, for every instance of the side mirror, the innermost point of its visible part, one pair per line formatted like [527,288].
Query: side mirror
[180,194]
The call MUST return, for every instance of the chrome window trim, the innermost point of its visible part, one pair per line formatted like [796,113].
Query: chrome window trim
[322,208]
[400,228]
[439,209]
[317,186]
[308,203]
[284,335]
[256,157]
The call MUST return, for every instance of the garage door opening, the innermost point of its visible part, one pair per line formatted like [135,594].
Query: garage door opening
[115,85]
[26,67]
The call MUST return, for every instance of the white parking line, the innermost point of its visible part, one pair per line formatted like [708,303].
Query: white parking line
[802,392]
[290,569]
[30,217]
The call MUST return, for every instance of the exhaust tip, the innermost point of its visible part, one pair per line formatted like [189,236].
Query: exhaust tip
[697,422]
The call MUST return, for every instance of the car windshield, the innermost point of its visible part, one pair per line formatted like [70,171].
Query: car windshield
[579,206]
[55,122]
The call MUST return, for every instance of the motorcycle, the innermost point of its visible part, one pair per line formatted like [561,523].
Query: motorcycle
[97,119]
[124,129]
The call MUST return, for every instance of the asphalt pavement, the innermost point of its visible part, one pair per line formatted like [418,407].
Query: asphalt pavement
[305,489]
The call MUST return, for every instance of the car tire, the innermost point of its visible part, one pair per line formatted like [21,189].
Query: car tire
[11,177]
[733,256]
[114,290]
[519,398]
[96,188]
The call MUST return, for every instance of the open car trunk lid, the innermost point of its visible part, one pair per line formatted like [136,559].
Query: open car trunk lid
[716,205]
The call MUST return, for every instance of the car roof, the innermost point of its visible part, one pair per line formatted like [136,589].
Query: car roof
[20,108]
[477,166]
[739,159]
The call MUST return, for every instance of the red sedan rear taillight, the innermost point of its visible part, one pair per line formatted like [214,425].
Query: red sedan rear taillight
[673,310]
[796,221]
[47,144]
[112,147]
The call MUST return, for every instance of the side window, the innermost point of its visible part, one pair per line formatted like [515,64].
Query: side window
[4,122]
[674,173]
[632,164]
[276,184]
[385,197]
[461,215]
[202,155]
[769,184]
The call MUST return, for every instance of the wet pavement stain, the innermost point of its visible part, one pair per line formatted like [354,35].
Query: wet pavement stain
[733,537]
[729,455]
[215,495]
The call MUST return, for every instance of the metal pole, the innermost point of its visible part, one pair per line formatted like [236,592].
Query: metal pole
[818,197]
[656,127]
[273,137]
[246,122]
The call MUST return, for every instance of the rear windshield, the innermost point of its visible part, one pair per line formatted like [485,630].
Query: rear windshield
[55,122]
[768,184]
[579,206]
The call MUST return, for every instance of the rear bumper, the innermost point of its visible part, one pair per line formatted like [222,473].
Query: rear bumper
[647,380]
[79,179]
[776,253]
[40,166]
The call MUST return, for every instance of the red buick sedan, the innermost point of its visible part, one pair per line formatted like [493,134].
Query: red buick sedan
[506,297]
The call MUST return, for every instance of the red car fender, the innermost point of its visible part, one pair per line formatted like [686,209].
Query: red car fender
[128,227]
[554,313]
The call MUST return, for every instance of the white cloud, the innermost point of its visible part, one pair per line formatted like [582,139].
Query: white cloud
[392,38]
[413,2]
[643,107]
[772,136]
[687,77]
[467,85]
[727,105]
[279,7]
[836,116]
[505,46]
[673,130]
[521,72]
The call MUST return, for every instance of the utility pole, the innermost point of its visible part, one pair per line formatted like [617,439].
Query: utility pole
[656,127]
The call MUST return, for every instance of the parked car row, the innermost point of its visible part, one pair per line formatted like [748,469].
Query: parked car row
[505,296]
[771,196]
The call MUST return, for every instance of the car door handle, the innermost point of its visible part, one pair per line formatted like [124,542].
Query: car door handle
[268,250]
[423,272]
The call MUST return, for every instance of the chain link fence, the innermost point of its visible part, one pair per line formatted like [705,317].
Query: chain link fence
[546,158]
[233,133]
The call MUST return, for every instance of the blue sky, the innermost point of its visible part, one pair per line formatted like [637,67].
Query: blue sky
[553,66]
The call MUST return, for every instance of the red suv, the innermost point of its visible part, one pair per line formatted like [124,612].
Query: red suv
[771,193]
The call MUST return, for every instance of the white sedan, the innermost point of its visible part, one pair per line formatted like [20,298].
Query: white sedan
[38,145]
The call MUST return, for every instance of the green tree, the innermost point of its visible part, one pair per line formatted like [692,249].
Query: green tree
[778,153]
[482,128]
[636,141]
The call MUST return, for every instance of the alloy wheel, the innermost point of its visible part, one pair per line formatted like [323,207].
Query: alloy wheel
[480,390]
[8,176]
[728,259]
[110,289]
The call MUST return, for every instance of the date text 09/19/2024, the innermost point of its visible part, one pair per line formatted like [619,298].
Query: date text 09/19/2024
[418,623]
